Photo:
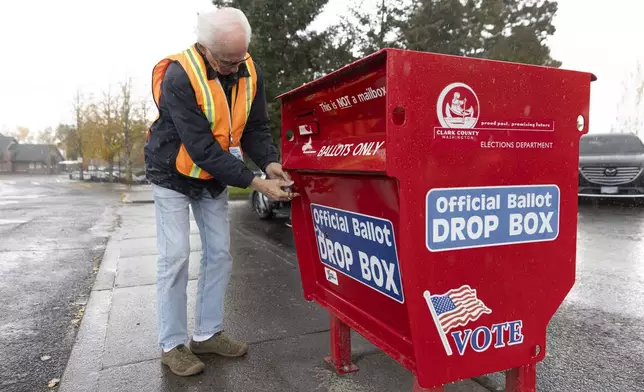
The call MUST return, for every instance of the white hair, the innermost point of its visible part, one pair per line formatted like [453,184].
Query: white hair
[214,24]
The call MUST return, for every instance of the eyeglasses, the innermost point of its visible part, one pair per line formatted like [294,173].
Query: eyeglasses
[227,64]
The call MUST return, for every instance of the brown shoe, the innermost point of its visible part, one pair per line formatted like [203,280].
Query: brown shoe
[182,361]
[220,344]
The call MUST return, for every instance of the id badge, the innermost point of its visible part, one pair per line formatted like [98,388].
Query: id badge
[236,151]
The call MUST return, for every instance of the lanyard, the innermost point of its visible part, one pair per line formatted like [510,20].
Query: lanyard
[230,117]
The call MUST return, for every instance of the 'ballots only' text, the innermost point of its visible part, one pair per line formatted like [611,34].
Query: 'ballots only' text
[461,218]
[359,246]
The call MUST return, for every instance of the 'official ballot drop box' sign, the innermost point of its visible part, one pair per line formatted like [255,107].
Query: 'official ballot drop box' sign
[461,218]
[438,208]
[359,246]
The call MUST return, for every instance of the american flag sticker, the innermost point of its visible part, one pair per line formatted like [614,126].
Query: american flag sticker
[455,308]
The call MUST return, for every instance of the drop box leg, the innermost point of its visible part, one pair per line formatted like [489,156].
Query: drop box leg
[418,388]
[340,358]
[521,379]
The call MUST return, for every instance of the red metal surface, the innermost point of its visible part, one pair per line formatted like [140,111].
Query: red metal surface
[383,321]
[341,130]
[340,358]
[521,379]
[381,154]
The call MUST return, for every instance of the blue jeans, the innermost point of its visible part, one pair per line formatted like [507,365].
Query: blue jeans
[173,244]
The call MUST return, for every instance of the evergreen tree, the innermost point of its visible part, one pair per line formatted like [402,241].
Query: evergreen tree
[440,26]
[508,30]
[367,31]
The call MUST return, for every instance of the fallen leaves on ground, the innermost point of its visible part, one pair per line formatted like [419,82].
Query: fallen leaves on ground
[53,383]
[78,316]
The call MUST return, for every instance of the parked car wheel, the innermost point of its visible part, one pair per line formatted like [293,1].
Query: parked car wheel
[261,206]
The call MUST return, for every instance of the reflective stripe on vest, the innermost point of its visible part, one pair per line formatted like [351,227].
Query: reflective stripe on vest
[226,126]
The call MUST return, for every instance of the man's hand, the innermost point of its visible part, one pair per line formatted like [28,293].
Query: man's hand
[273,188]
[274,171]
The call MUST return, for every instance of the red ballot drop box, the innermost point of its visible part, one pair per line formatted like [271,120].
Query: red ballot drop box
[438,208]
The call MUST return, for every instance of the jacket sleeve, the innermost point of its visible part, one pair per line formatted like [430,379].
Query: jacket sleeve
[194,131]
[257,140]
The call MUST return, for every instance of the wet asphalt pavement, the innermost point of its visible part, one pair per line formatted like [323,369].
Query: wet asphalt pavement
[52,236]
[596,338]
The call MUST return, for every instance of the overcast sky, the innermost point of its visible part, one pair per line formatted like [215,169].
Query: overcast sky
[51,48]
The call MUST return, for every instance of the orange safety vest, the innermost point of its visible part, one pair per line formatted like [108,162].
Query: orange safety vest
[226,127]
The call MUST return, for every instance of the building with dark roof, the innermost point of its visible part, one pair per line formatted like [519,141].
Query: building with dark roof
[7,146]
[28,158]
[36,158]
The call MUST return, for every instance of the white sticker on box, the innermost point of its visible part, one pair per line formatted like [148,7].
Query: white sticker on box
[331,276]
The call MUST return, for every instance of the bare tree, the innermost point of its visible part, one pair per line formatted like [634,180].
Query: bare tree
[79,108]
[104,129]
[46,136]
[126,123]
[630,110]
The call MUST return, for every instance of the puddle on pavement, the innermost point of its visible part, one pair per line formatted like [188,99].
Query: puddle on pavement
[23,196]
[12,199]
[11,221]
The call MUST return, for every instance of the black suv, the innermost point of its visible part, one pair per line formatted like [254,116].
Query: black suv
[611,165]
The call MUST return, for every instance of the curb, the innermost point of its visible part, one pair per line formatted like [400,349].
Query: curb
[126,200]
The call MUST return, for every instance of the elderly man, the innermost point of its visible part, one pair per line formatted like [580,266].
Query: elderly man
[211,106]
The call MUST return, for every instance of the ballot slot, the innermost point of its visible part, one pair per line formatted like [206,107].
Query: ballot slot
[345,119]
[307,124]
[340,127]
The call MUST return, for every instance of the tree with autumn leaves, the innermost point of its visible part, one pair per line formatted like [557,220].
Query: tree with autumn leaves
[111,128]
